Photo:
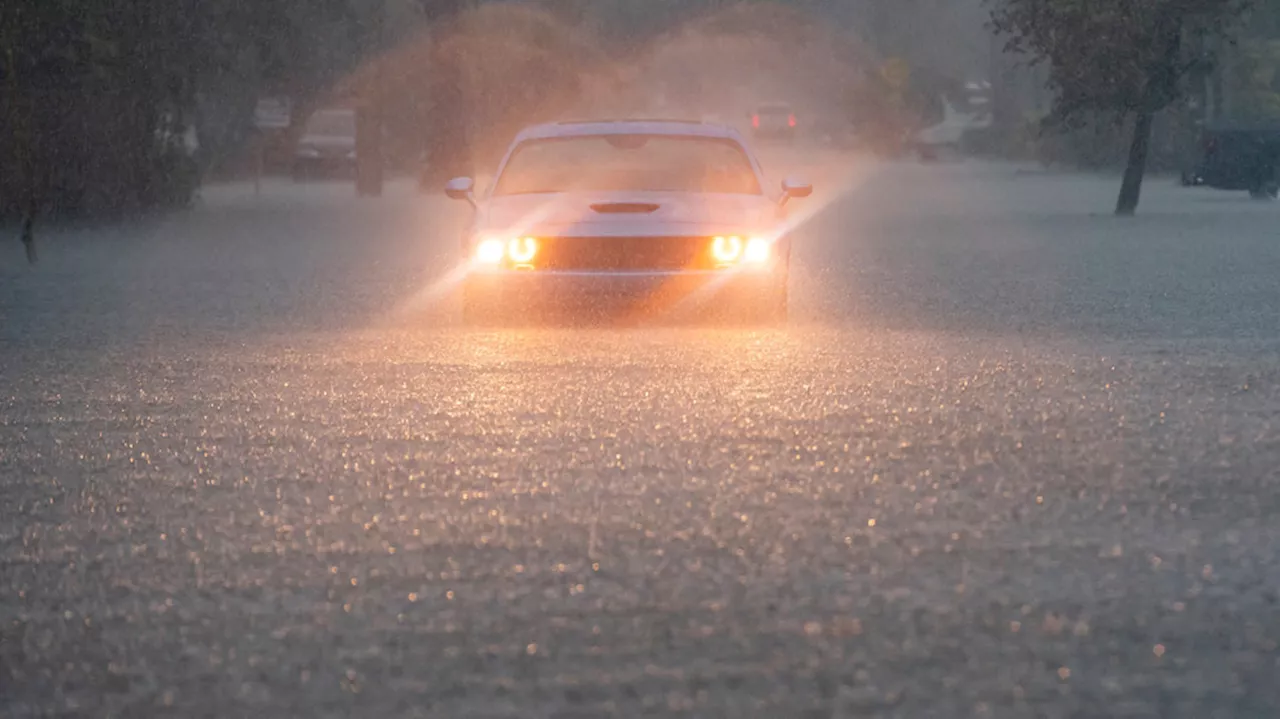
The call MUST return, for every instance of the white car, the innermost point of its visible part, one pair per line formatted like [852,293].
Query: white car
[644,215]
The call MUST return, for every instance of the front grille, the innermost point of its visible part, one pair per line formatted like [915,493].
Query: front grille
[621,254]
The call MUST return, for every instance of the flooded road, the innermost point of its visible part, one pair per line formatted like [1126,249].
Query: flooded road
[1011,457]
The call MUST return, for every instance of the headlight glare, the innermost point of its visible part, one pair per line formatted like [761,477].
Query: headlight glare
[758,250]
[726,250]
[522,250]
[490,251]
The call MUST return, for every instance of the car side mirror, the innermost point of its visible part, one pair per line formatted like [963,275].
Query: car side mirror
[793,188]
[461,188]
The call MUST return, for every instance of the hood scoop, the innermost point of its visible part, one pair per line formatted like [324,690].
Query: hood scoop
[625,208]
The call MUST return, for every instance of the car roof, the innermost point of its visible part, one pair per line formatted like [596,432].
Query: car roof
[641,126]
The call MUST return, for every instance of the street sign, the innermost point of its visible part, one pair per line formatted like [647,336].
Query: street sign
[273,113]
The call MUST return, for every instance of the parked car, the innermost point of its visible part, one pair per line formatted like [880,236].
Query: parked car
[327,146]
[774,121]
[1240,157]
[949,136]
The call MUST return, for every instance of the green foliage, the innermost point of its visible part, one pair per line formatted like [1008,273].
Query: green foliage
[1254,81]
[1114,56]
[1115,60]
[96,95]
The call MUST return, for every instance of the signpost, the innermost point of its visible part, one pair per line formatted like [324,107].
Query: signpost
[272,114]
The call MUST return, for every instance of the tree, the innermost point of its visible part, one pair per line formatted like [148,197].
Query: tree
[1126,58]
[97,96]
[449,148]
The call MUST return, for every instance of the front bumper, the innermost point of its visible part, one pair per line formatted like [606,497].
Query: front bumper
[643,292]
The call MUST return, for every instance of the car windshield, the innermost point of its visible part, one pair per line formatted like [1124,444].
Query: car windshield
[629,163]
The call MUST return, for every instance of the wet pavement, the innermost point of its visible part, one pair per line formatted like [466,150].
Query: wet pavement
[1011,457]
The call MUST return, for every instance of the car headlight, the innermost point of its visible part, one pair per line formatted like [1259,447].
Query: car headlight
[726,250]
[522,250]
[732,250]
[517,250]
[490,251]
[758,251]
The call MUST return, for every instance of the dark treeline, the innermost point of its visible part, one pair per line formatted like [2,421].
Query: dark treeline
[101,99]
[113,106]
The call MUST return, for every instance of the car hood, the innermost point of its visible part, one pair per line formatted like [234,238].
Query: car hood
[616,214]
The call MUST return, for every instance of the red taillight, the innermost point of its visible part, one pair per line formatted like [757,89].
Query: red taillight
[755,121]
[791,120]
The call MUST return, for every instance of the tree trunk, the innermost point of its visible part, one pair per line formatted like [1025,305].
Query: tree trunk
[1131,189]
[28,232]
[23,137]
[370,154]
[369,151]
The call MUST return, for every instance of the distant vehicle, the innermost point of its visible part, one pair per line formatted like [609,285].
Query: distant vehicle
[1240,157]
[327,146]
[774,121]
[950,134]
[651,214]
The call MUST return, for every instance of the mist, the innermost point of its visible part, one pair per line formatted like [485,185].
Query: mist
[843,394]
